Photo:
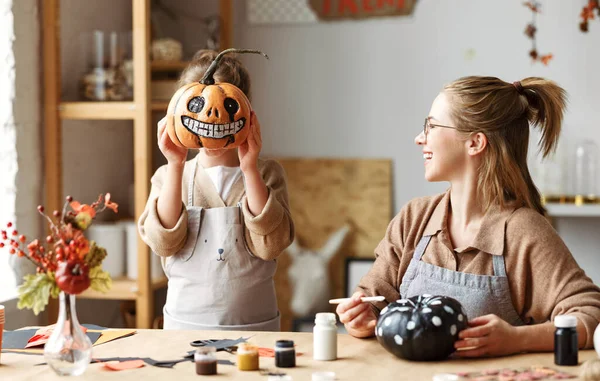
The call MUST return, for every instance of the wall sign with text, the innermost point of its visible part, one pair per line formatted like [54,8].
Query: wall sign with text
[310,11]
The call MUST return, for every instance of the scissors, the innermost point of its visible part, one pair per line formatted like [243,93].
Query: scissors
[202,343]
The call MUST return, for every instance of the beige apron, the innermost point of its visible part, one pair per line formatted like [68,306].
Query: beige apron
[215,283]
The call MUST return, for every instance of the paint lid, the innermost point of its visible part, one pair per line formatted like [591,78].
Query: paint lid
[565,321]
[205,353]
[284,344]
[325,318]
[445,377]
[323,376]
[246,348]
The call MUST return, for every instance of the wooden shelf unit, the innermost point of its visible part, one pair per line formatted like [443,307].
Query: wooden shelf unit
[139,111]
[572,210]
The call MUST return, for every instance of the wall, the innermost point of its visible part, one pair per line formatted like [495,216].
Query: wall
[363,88]
[20,146]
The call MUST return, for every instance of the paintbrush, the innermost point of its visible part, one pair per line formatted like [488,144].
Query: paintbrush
[363,299]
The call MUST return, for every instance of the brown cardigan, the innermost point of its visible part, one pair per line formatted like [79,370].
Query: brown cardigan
[545,280]
[267,234]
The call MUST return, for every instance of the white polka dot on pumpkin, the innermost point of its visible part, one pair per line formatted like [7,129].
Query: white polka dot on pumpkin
[449,310]
[436,303]
[403,301]
[387,321]
[426,310]
[384,310]
[436,321]
[453,330]
[398,339]
[460,317]
[411,325]
[379,331]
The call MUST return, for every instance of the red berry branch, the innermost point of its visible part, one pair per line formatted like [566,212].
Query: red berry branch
[66,261]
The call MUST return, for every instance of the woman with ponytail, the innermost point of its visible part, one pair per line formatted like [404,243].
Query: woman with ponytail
[485,241]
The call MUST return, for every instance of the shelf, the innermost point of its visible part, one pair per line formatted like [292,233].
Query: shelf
[158,66]
[122,289]
[97,110]
[571,210]
[160,106]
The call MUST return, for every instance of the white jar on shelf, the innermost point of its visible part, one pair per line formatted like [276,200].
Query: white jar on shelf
[131,244]
[110,236]
[586,170]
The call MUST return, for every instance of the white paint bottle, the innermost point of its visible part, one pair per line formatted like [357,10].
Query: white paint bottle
[325,337]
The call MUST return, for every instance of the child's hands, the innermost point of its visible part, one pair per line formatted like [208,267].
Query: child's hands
[173,153]
[249,150]
[358,317]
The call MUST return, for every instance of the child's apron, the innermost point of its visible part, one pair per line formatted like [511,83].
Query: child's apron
[215,283]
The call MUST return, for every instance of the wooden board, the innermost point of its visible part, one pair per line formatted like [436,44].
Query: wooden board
[324,195]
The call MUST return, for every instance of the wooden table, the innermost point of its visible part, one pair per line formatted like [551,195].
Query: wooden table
[357,360]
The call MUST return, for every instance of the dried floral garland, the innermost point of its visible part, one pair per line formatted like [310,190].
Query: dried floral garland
[587,13]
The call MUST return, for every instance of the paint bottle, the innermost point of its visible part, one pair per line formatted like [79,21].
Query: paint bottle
[285,354]
[566,343]
[206,362]
[247,357]
[325,337]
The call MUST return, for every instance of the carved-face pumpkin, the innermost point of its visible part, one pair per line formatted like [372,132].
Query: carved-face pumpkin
[421,328]
[209,115]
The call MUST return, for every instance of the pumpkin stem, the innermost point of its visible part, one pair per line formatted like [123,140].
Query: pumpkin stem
[208,79]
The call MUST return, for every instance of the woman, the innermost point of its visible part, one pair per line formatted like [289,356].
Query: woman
[485,241]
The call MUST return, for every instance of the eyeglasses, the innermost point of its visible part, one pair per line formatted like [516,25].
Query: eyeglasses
[427,126]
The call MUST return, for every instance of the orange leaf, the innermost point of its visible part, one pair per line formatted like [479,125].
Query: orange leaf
[124,365]
[546,59]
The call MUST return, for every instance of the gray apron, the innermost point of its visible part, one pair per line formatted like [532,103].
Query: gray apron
[215,283]
[479,294]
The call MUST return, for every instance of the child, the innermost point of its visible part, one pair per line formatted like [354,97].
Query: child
[218,221]
[485,241]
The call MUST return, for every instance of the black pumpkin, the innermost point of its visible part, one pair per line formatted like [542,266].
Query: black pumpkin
[421,328]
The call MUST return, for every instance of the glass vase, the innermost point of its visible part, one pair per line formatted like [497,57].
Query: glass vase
[68,350]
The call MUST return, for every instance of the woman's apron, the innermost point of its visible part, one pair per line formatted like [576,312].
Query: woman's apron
[479,294]
[215,283]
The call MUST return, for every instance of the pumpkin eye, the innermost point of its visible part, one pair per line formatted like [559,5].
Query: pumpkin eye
[196,104]
[231,106]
